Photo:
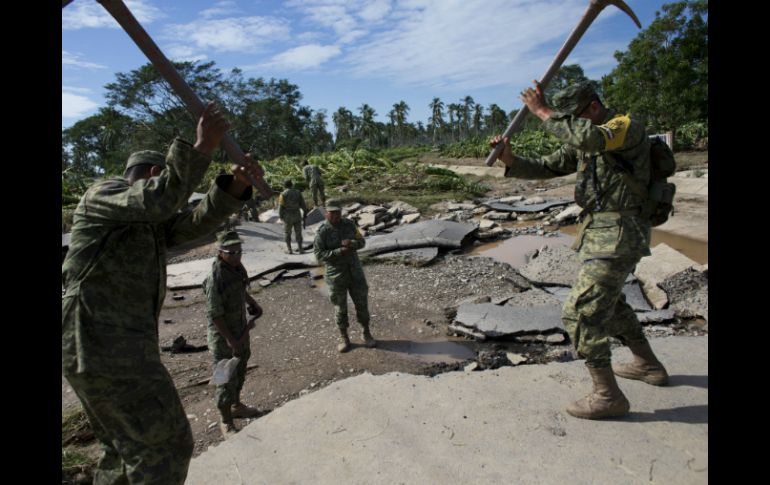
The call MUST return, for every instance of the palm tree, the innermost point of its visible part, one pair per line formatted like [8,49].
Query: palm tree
[467,106]
[368,125]
[437,117]
[454,110]
[478,113]
[400,110]
[343,124]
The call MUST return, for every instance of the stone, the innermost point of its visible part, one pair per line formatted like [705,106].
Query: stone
[663,263]
[410,218]
[496,216]
[487,224]
[512,199]
[516,359]
[498,321]
[553,265]
[570,212]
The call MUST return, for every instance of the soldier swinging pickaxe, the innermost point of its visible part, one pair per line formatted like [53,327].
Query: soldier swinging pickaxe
[120,12]
[594,7]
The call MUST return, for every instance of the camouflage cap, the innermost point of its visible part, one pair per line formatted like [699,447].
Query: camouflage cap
[146,157]
[229,238]
[574,98]
[332,205]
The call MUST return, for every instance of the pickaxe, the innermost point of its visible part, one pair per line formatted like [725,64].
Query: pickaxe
[123,16]
[594,8]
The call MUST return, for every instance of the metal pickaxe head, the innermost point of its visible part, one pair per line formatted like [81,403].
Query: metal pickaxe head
[600,4]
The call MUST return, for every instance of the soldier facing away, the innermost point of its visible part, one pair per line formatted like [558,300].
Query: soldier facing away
[226,289]
[336,243]
[290,202]
[313,177]
[114,277]
[601,145]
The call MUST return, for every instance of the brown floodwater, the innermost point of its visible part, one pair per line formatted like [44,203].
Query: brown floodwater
[514,250]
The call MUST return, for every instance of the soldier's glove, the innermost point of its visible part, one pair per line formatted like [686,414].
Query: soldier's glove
[255,311]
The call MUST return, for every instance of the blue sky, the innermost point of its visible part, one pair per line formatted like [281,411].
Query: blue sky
[346,53]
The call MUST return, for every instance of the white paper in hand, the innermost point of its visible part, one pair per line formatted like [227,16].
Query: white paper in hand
[224,371]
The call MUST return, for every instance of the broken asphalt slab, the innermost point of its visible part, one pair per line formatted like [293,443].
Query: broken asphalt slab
[264,251]
[418,257]
[652,270]
[498,426]
[631,290]
[523,207]
[500,321]
[443,234]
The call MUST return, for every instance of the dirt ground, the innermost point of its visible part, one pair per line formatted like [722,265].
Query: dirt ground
[294,342]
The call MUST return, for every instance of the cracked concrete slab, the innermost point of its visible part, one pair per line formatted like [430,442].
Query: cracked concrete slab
[498,321]
[688,293]
[524,207]
[553,265]
[632,290]
[652,270]
[418,257]
[263,252]
[497,426]
[443,234]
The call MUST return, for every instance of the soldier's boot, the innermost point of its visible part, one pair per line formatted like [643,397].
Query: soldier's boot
[369,341]
[644,367]
[226,425]
[606,400]
[344,345]
[299,246]
[241,410]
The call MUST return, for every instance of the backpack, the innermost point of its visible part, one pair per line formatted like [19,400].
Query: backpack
[659,193]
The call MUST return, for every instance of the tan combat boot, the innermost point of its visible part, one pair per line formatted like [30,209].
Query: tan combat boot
[606,400]
[228,429]
[645,367]
[344,346]
[241,410]
[369,341]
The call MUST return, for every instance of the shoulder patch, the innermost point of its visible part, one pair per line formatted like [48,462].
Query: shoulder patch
[614,132]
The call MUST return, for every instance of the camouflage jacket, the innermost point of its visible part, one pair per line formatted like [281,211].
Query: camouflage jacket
[225,288]
[289,203]
[312,175]
[114,274]
[599,154]
[327,248]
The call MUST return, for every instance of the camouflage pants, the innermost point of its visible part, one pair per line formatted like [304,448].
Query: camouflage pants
[293,223]
[596,309]
[317,189]
[142,426]
[359,293]
[228,394]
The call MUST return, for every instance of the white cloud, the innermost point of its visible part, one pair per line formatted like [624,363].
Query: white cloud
[184,53]
[90,14]
[235,34]
[374,10]
[304,57]
[75,105]
[349,21]
[76,60]
[224,7]
[456,43]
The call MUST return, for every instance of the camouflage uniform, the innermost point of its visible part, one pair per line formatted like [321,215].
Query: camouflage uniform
[225,288]
[289,204]
[612,237]
[344,273]
[114,277]
[313,177]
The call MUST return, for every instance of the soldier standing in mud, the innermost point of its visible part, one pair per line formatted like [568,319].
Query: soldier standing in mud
[336,243]
[226,289]
[114,277]
[290,202]
[600,145]
[313,177]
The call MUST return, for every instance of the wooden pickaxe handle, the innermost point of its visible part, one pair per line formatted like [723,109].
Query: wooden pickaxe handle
[125,18]
[594,7]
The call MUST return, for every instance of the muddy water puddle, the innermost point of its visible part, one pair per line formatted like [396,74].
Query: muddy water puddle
[514,250]
[430,351]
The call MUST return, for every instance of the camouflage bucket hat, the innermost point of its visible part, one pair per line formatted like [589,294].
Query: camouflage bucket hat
[229,238]
[575,98]
[332,205]
[146,157]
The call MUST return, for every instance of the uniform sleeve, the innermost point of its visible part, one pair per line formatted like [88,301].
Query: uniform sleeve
[580,133]
[321,251]
[559,163]
[152,200]
[212,288]
[358,241]
[207,216]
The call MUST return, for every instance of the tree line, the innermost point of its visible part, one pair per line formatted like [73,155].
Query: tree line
[662,78]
